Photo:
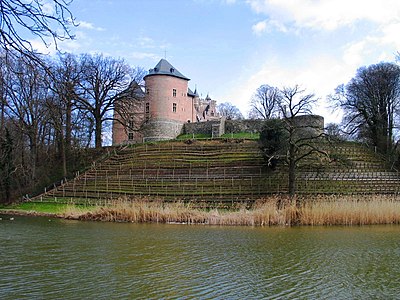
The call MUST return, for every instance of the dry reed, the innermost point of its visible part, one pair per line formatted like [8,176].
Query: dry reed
[318,210]
[352,210]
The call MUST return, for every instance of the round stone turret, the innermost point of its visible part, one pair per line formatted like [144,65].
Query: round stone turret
[167,105]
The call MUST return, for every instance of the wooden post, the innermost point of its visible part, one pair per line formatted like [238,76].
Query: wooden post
[107,181]
[119,181]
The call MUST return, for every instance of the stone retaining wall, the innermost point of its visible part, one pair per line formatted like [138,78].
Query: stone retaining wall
[312,124]
[160,129]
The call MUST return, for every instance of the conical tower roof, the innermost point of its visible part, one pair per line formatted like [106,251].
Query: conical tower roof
[165,68]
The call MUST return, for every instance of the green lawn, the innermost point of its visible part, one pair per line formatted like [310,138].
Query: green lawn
[193,136]
[242,135]
[37,207]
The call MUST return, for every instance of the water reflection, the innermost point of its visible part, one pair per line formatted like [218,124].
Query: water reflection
[67,259]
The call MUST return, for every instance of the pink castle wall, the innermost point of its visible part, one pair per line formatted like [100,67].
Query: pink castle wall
[161,121]
[159,95]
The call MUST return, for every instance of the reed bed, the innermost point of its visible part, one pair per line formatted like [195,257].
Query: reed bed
[278,210]
[352,210]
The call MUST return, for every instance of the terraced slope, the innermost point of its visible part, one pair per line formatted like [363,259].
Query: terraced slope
[220,172]
[357,169]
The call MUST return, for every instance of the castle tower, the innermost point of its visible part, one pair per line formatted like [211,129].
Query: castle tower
[160,111]
[167,102]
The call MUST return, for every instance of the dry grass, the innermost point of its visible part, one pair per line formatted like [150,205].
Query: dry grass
[326,210]
[352,210]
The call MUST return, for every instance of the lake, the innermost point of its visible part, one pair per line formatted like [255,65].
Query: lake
[46,258]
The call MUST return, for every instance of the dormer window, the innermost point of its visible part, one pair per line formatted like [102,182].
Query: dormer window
[172,70]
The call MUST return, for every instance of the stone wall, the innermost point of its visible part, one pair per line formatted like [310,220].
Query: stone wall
[161,129]
[309,125]
[250,126]
[199,127]
[224,126]
[312,124]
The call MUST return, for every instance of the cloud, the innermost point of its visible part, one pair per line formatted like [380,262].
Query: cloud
[390,34]
[260,27]
[267,26]
[319,75]
[87,25]
[354,53]
[327,14]
[143,55]
[39,46]
[146,42]
[374,47]
[48,7]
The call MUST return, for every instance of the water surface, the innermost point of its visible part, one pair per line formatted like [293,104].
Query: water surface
[49,258]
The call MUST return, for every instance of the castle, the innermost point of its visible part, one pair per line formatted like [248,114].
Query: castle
[160,110]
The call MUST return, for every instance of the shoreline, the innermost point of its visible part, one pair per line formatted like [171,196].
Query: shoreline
[17,212]
[318,210]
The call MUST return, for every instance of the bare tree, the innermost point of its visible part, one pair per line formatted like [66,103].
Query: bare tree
[229,111]
[295,103]
[6,166]
[26,94]
[292,139]
[103,79]
[3,79]
[43,19]
[64,85]
[265,103]
[371,102]
[129,107]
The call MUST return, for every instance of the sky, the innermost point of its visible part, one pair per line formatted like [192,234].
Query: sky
[228,48]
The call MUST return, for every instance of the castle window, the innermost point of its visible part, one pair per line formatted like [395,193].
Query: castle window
[147,91]
[174,107]
[147,107]
[174,92]
[130,136]
[131,124]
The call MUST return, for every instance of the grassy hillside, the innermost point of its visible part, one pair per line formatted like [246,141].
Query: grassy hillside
[220,173]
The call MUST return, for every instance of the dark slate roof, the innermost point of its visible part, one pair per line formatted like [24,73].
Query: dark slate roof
[193,94]
[134,90]
[190,93]
[165,68]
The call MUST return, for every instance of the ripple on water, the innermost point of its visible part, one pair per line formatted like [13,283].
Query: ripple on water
[91,260]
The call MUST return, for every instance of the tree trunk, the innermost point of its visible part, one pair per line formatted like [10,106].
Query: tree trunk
[68,127]
[63,156]
[292,174]
[8,163]
[33,158]
[97,134]
[2,104]
[292,177]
